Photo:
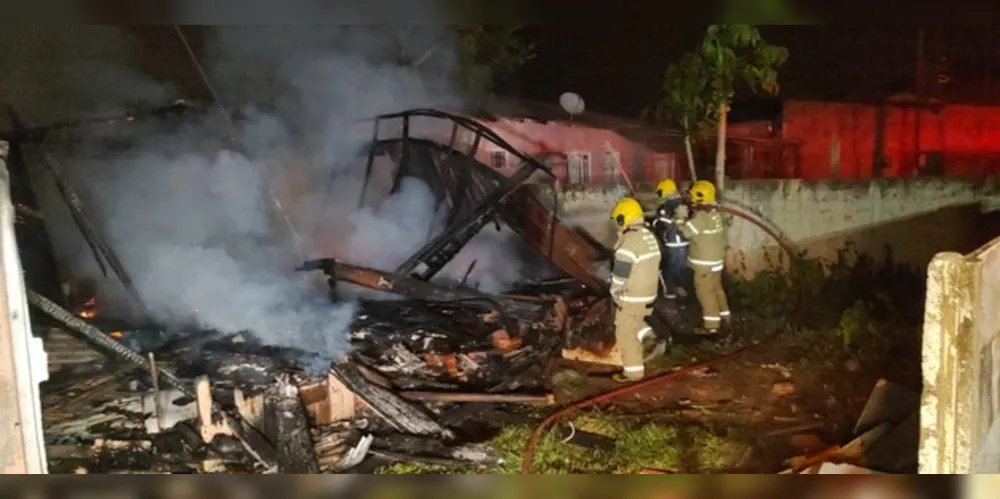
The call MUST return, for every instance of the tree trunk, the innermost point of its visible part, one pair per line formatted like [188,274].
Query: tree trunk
[687,149]
[720,150]
[690,157]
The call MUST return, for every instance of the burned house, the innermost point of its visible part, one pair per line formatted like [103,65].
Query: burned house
[167,394]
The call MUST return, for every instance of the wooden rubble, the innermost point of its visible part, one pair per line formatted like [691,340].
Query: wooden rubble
[328,423]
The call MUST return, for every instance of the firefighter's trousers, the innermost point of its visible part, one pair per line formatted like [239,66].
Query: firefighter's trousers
[711,296]
[674,269]
[630,329]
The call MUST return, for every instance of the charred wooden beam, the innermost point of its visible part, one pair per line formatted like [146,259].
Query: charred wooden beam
[497,398]
[289,428]
[417,447]
[415,288]
[98,244]
[430,259]
[567,248]
[403,168]
[480,196]
[398,413]
[253,442]
[38,133]
[369,164]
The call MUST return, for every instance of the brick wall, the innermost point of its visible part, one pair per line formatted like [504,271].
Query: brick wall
[916,218]
[839,140]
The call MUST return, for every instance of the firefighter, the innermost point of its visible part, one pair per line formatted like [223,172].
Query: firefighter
[634,285]
[675,247]
[706,256]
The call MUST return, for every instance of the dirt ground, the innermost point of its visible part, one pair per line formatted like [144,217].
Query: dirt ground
[800,390]
[819,343]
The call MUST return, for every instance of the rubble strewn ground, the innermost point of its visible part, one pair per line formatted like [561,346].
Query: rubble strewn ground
[442,377]
[425,376]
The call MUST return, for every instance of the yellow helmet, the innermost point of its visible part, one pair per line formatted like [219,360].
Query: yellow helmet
[702,191]
[626,212]
[665,188]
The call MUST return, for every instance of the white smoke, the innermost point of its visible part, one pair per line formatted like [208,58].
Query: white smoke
[196,224]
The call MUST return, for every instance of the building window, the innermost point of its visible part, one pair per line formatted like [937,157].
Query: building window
[612,164]
[579,168]
[664,165]
[498,160]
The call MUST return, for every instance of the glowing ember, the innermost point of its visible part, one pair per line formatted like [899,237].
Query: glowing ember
[89,309]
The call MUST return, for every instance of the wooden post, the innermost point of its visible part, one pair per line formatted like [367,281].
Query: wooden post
[288,428]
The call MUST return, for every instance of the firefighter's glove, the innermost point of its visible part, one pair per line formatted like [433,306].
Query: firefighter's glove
[681,213]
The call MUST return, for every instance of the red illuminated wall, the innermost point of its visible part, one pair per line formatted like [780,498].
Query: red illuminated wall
[968,136]
[556,139]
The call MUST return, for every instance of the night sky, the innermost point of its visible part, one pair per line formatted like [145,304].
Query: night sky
[618,69]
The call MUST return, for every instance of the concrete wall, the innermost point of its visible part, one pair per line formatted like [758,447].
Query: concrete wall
[960,407]
[916,218]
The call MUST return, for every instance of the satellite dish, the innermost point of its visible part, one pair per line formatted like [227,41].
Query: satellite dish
[571,103]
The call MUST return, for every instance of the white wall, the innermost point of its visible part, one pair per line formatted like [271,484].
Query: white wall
[917,218]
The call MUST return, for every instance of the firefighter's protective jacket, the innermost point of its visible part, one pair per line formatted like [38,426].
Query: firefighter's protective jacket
[666,226]
[636,272]
[707,235]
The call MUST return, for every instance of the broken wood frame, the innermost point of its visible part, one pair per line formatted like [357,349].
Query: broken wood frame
[104,255]
[411,287]
[476,194]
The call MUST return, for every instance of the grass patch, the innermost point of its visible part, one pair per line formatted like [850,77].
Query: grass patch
[638,445]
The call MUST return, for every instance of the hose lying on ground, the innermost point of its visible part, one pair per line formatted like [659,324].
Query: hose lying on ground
[529,451]
[254,443]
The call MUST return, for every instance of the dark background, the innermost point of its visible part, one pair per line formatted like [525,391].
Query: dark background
[618,69]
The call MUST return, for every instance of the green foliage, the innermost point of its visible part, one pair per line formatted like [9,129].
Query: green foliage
[853,322]
[685,98]
[699,88]
[481,53]
[638,445]
[703,80]
[849,296]
[734,51]
[486,52]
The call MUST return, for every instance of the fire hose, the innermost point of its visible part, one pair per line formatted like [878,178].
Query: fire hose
[255,444]
[785,244]
[529,451]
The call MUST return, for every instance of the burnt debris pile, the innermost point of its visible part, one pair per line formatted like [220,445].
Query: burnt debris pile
[436,362]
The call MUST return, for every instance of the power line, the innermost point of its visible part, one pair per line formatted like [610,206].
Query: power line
[225,112]
[203,74]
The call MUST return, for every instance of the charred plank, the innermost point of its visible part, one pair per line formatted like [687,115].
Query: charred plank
[398,413]
[415,288]
[417,447]
[288,427]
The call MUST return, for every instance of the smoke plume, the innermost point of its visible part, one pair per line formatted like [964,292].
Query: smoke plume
[210,232]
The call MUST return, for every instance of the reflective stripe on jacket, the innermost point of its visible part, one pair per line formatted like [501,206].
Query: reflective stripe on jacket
[637,246]
[666,226]
[707,234]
